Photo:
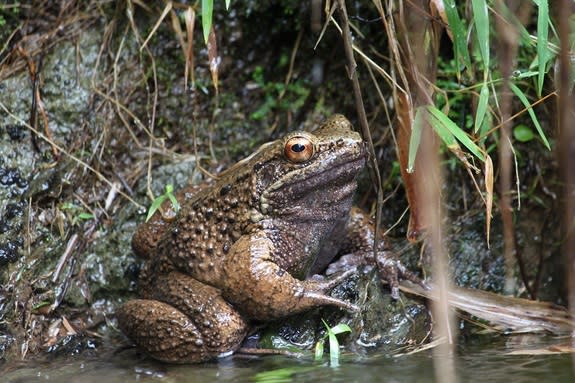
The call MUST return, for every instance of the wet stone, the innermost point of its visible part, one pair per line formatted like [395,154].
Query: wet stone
[9,251]
[4,226]
[13,210]
[9,177]
[16,132]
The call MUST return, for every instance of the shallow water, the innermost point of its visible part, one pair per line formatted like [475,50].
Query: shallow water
[484,361]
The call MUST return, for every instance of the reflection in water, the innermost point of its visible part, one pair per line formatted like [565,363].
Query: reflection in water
[485,360]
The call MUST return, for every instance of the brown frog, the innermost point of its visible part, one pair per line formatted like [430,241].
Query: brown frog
[243,249]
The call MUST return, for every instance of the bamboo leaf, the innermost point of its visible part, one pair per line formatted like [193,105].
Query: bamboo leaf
[444,134]
[481,107]
[519,93]
[481,20]
[459,35]
[207,10]
[518,75]
[542,40]
[415,139]
[460,135]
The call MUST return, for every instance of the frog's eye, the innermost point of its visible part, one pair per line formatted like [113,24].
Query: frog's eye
[298,149]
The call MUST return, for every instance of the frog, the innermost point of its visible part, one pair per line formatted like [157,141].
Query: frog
[248,248]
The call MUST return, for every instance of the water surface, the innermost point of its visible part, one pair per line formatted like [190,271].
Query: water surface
[487,360]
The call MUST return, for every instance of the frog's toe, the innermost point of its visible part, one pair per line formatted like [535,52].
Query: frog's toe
[391,270]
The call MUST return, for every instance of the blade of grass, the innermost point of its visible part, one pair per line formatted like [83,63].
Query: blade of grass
[155,206]
[333,349]
[460,135]
[542,39]
[481,107]
[519,93]
[459,35]
[340,329]
[481,20]
[415,138]
[207,10]
[319,350]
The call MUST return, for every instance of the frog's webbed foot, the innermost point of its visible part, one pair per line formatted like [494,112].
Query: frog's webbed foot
[318,287]
[391,269]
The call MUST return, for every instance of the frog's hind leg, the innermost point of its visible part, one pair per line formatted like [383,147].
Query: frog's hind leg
[182,321]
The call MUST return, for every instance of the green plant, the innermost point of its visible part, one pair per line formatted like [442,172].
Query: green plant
[534,49]
[280,375]
[207,12]
[331,334]
[278,95]
[169,194]
[78,214]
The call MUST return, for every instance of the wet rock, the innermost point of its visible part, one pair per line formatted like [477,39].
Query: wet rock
[383,324]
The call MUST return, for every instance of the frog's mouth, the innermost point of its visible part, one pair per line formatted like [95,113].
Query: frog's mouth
[320,183]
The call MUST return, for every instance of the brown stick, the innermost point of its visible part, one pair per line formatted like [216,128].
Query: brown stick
[507,51]
[352,66]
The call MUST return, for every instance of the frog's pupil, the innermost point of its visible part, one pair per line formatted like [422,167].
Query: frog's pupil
[298,148]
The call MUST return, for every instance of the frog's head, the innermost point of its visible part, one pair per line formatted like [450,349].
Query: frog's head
[309,176]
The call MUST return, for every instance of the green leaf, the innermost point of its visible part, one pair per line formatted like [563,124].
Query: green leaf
[333,348]
[527,105]
[319,350]
[481,107]
[340,329]
[86,216]
[207,10]
[279,375]
[228,4]
[458,32]
[542,40]
[333,342]
[68,206]
[155,206]
[481,19]
[172,197]
[415,139]
[444,134]
[40,305]
[460,135]
[522,133]
[519,75]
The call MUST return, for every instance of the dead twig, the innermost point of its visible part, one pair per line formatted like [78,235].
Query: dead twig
[351,67]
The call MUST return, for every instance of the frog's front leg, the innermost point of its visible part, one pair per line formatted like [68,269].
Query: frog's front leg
[358,250]
[262,290]
[182,320]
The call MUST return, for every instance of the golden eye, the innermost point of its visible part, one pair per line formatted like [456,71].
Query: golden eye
[298,149]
